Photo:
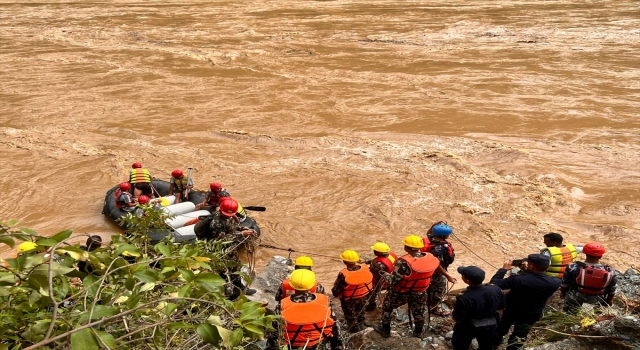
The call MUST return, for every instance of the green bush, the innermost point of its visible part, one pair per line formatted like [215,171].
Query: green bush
[138,296]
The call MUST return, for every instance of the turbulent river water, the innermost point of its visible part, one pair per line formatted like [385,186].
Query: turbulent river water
[351,121]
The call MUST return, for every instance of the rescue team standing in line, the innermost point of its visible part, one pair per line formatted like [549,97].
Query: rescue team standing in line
[309,320]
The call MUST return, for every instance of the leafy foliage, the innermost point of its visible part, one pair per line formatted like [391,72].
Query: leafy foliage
[136,296]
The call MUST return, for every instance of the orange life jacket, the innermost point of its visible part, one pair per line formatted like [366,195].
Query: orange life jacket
[139,175]
[359,283]
[422,268]
[306,323]
[288,291]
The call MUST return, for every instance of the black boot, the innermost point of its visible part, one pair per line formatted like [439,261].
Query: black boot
[383,329]
[417,332]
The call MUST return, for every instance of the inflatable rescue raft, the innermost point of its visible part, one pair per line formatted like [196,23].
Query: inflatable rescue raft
[184,213]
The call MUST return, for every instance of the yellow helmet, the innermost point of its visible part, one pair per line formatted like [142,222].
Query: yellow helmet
[413,241]
[302,279]
[381,247]
[349,256]
[304,261]
[26,246]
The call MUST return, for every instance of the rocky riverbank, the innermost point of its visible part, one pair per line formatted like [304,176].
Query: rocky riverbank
[617,327]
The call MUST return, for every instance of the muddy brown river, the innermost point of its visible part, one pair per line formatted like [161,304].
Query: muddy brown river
[351,121]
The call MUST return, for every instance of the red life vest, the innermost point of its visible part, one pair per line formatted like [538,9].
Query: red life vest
[422,268]
[387,261]
[288,291]
[593,280]
[119,204]
[214,198]
[359,283]
[305,324]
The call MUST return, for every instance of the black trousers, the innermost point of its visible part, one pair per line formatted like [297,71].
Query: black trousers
[463,334]
[522,323]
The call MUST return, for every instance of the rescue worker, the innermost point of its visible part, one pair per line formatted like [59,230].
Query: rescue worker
[408,284]
[179,184]
[589,281]
[308,319]
[561,254]
[285,290]
[436,243]
[142,200]
[213,197]
[476,310]
[124,199]
[383,263]
[140,179]
[527,297]
[353,286]
[223,224]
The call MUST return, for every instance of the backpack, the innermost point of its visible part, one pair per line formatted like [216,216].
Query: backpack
[442,250]
[593,280]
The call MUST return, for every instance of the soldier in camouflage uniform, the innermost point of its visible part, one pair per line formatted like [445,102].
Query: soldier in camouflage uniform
[436,243]
[225,226]
[408,284]
[353,287]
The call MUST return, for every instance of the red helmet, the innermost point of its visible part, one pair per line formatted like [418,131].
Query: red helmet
[143,199]
[228,207]
[177,173]
[125,186]
[594,249]
[216,186]
[136,165]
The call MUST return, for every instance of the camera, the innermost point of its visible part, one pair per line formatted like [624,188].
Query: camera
[517,262]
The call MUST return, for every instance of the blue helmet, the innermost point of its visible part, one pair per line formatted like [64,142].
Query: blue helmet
[442,230]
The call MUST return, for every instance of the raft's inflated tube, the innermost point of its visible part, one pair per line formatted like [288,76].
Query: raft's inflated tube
[180,220]
[184,233]
[168,199]
[180,208]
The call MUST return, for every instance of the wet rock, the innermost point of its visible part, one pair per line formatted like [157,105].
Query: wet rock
[629,273]
[266,283]
[449,335]
[474,344]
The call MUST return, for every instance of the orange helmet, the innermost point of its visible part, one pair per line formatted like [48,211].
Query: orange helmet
[228,207]
[143,199]
[125,186]
[177,173]
[136,165]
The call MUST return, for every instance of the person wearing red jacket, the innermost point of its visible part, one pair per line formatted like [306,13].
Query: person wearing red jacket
[382,264]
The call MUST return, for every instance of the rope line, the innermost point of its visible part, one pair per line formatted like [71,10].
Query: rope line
[297,251]
[472,252]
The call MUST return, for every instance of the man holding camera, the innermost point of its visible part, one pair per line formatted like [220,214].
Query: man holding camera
[528,294]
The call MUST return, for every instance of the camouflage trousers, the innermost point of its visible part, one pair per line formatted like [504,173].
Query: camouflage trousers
[417,303]
[574,300]
[353,311]
[437,289]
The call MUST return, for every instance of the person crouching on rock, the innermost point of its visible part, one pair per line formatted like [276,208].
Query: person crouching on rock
[476,310]
[308,318]
[179,184]
[286,290]
[408,284]
[383,263]
[353,286]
